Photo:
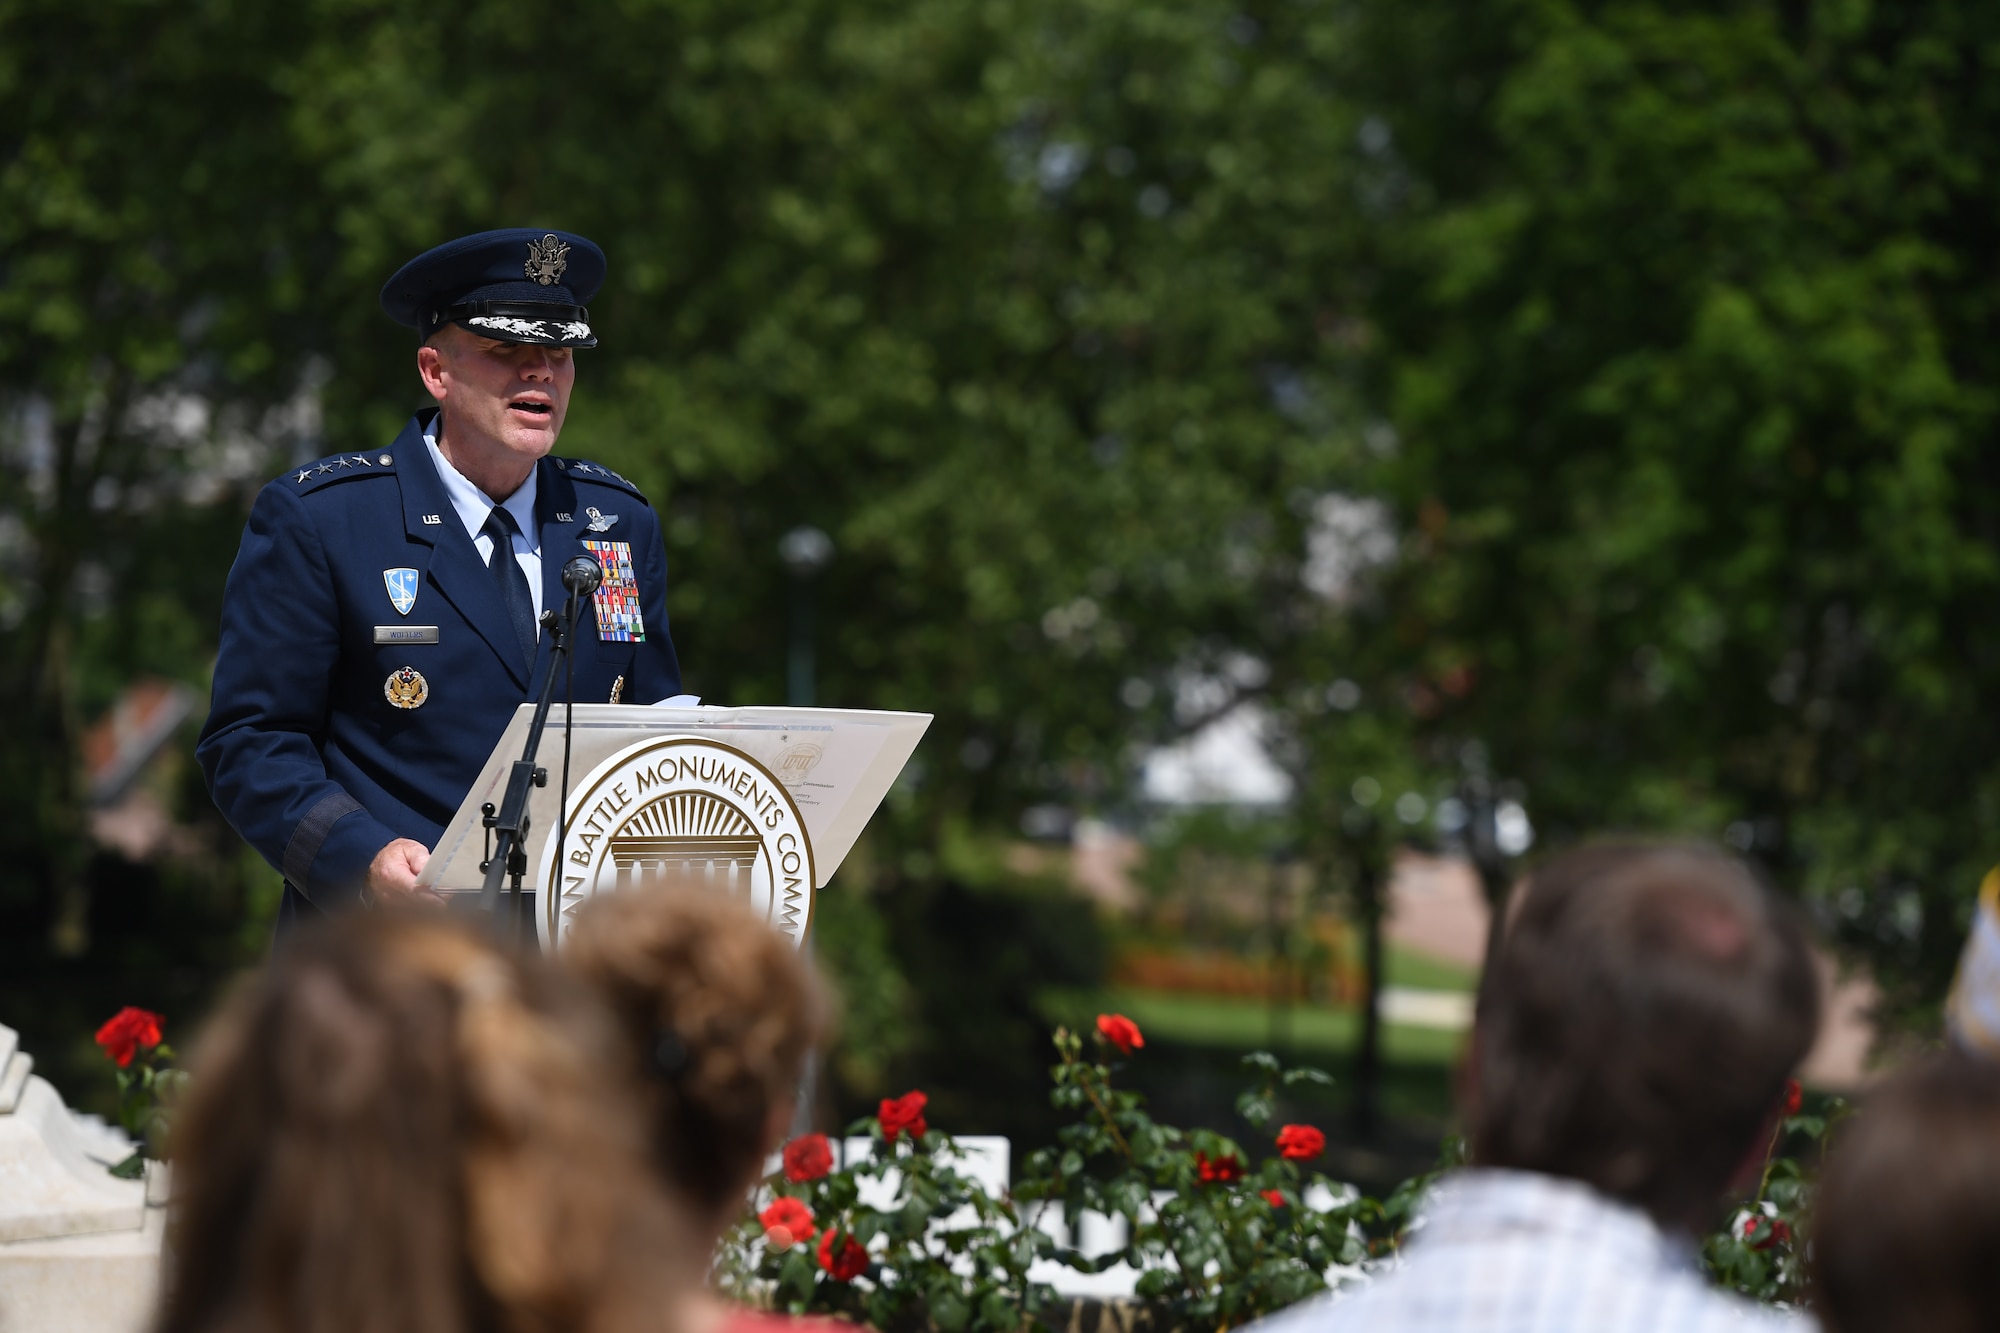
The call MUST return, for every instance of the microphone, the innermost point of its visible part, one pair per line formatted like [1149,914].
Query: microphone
[582,575]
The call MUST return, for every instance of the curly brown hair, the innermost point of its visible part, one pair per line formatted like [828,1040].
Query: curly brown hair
[398,1127]
[719,1008]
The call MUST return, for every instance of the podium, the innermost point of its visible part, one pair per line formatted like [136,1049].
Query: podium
[759,803]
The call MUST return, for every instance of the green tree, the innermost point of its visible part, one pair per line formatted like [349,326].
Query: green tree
[1684,318]
[153,242]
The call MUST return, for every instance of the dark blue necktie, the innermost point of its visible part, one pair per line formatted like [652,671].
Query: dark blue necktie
[511,582]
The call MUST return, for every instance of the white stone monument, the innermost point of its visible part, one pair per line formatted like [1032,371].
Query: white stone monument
[79,1248]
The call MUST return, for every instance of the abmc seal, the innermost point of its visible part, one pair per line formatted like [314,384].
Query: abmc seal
[681,812]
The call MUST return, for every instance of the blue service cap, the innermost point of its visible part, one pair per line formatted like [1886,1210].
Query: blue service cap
[518,284]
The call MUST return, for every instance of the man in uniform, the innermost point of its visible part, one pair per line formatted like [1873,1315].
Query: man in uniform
[381,622]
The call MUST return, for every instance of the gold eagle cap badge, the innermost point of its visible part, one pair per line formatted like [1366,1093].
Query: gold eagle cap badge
[406,688]
[546,259]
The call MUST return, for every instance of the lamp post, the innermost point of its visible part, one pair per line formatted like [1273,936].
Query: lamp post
[806,551]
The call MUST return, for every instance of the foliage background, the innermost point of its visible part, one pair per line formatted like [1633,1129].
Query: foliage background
[1598,390]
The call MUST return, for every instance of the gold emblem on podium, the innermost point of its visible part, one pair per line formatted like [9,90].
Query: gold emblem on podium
[406,688]
[682,813]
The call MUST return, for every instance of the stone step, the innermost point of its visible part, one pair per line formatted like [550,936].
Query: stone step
[49,1185]
[14,1073]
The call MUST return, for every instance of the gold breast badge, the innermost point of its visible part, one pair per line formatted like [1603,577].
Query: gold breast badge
[406,688]
[617,688]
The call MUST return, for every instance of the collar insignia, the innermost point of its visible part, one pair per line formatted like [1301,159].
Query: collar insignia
[546,259]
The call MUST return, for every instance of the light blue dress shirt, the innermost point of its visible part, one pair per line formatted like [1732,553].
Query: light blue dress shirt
[473,505]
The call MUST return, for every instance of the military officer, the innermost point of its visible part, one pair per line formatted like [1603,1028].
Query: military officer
[380,624]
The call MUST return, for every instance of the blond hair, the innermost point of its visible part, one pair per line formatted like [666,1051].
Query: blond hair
[399,1128]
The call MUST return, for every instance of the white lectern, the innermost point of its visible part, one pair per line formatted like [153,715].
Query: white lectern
[763,803]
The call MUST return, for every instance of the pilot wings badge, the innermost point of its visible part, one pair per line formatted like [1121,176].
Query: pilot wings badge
[402,586]
[546,260]
[600,522]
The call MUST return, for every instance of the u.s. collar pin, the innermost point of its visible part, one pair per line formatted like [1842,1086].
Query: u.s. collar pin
[600,522]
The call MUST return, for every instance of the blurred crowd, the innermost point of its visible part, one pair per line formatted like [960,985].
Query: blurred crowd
[403,1125]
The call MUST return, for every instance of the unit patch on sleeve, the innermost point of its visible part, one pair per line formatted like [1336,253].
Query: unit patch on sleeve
[617,598]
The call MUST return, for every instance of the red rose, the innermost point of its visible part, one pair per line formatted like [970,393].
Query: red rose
[808,1158]
[1795,1096]
[904,1112]
[787,1222]
[127,1031]
[842,1256]
[1300,1143]
[1774,1231]
[1276,1198]
[1121,1032]
[1219,1170]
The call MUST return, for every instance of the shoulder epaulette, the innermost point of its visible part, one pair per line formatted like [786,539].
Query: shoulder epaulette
[337,467]
[578,469]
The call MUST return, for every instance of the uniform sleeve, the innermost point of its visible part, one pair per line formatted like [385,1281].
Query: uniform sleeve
[267,716]
[656,671]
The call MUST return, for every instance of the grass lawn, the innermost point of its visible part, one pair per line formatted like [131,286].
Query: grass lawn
[1423,972]
[1304,1032]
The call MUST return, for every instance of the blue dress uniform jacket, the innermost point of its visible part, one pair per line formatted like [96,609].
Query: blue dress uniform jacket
[304,752]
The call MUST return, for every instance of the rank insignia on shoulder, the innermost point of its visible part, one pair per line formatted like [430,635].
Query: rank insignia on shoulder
[402,585]
[616,600]
[597,474]
[406,688]
[600,522]
[311,476]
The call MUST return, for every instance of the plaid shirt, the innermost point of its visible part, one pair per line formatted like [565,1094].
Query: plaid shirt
[1518,1252]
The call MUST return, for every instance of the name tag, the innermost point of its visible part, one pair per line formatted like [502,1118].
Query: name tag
[406,634]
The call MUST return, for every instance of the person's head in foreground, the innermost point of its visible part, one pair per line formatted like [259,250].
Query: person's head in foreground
[719,1010]
[1635,1029]
[1637,1025]
[1906,1228]
[400,1128]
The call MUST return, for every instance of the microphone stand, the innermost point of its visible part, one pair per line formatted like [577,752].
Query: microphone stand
[508,857]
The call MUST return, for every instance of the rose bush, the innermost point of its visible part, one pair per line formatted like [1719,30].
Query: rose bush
[134,1039]
[1761,1253]
[930,1249]
[1216,1236]
[887,1261]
